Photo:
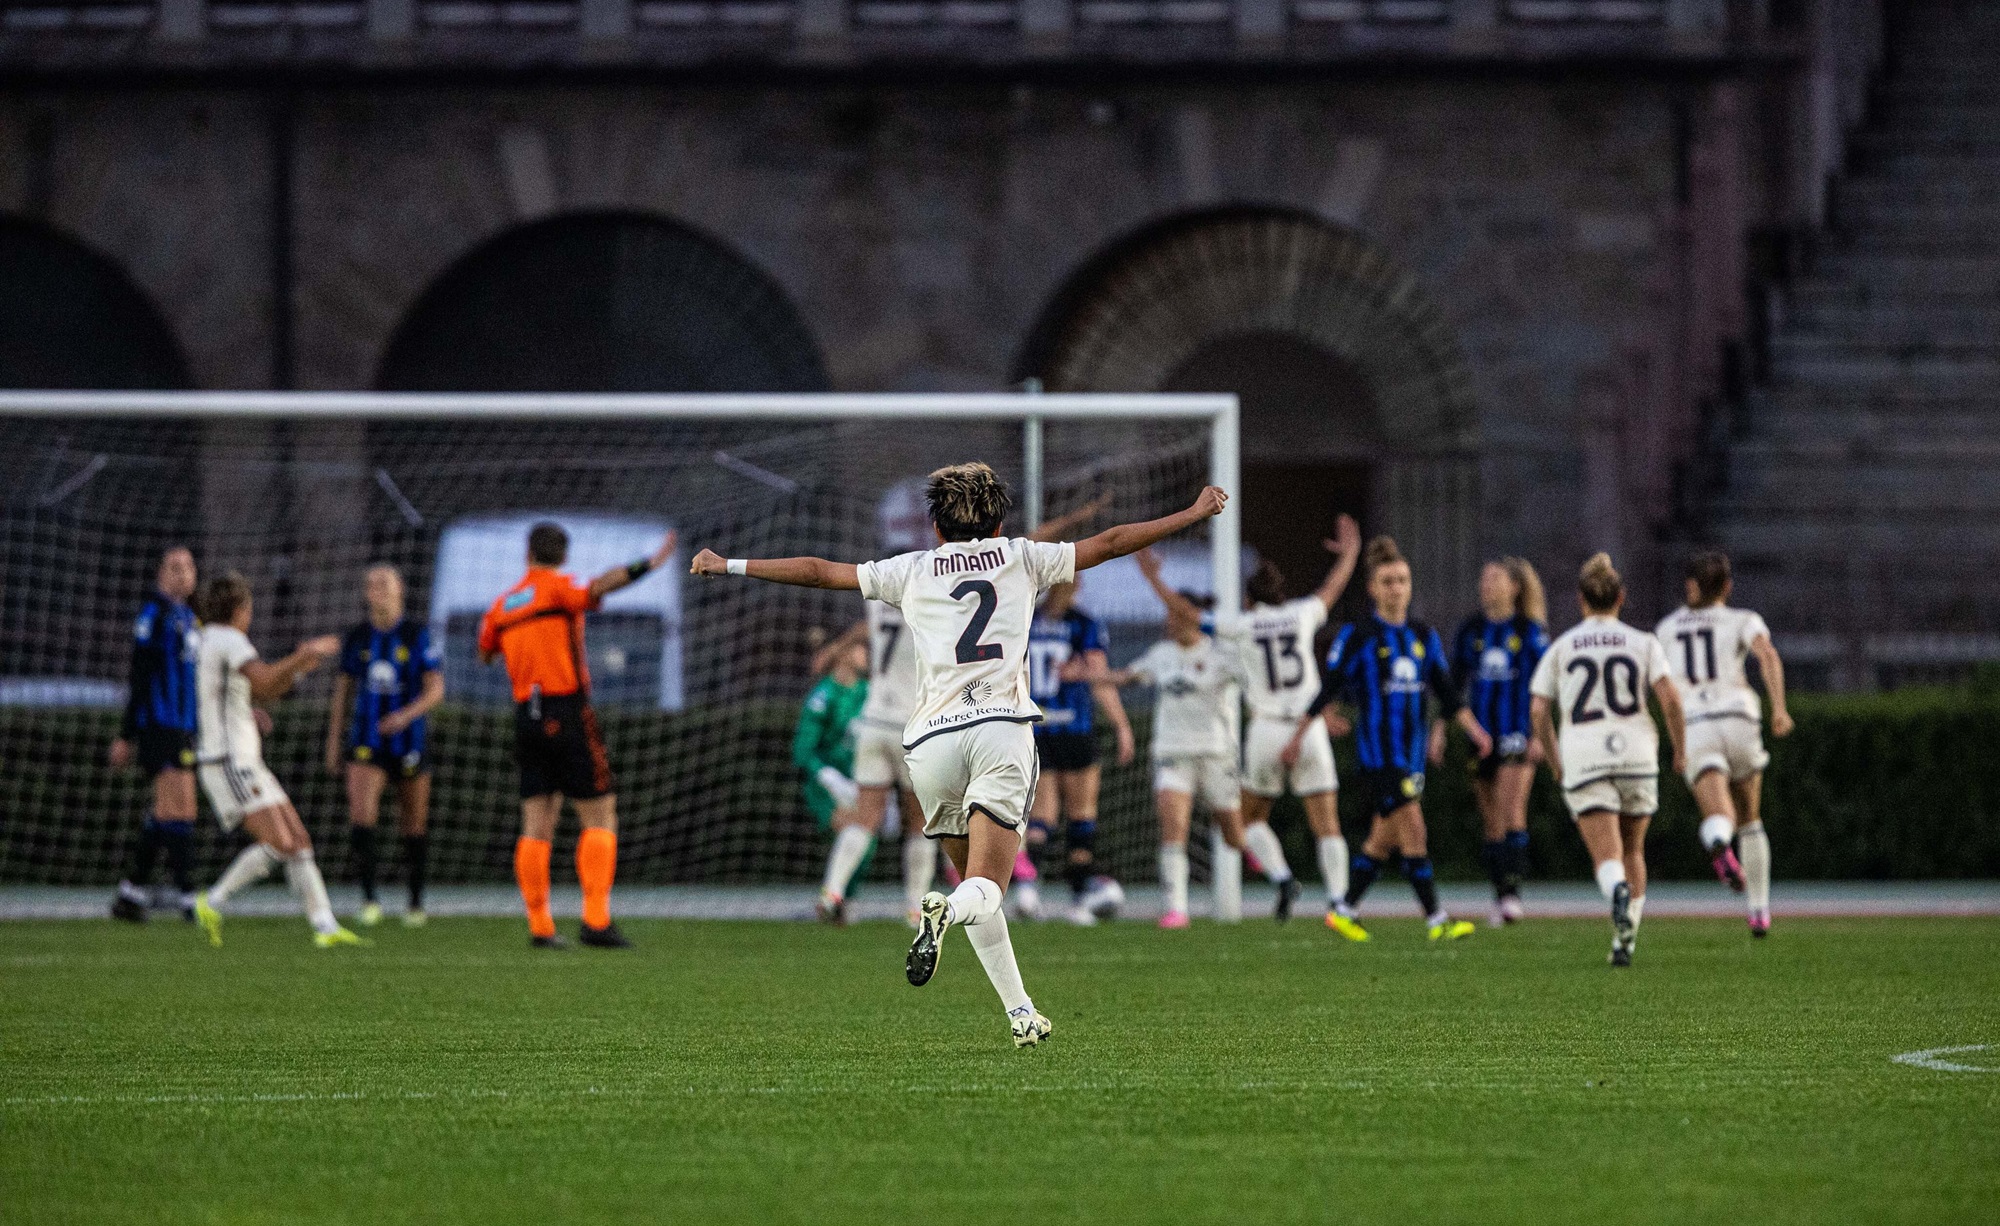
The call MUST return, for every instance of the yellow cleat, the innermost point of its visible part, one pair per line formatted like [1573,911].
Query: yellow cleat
[1346,927]
[209,918]
[415,919]
[371,914]
[1453,930]
[339,936]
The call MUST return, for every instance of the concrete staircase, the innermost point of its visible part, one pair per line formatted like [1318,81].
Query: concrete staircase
[1863,504]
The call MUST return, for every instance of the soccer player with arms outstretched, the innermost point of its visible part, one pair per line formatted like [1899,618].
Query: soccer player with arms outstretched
[1385,665]
[1707,643]
[1281,747]
[158,735]
[391,677]
[240,788]
[536,626]
[1608,757]
[1493,657]
[967,605]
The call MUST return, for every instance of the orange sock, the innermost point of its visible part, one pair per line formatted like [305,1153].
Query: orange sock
[531,870]
[596,865]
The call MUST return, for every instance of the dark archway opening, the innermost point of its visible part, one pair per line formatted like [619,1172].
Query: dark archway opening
[1309,440]
[72,319]
[603,302]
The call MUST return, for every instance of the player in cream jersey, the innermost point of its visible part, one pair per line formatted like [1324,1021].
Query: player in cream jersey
[1597,674]
[1709,645]
[967,605]
[1281,678]
[229,756]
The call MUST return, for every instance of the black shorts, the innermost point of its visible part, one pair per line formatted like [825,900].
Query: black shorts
[560,749]
[1488,767]
[1386,791]
[1066,751]
[403,766]
[164,749]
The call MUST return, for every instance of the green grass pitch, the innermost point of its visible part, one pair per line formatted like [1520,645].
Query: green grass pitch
[726,1072]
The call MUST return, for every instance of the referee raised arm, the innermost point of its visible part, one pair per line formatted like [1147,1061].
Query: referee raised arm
[537,627]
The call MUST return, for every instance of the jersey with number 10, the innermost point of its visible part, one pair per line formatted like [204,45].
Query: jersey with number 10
[1598,673]
[967,606]
[1707,648]
[1275,641]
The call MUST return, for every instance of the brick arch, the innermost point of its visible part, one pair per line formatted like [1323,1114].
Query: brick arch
[1138,311]
[611,301]
[71,317]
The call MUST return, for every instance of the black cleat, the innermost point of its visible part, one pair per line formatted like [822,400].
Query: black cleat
[1621,955]
[1288,893]
[607,937]
[1623,930]
[123,908]
[548,942]
[830,910]
[933,920]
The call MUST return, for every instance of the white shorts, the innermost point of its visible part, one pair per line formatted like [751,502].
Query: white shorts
[1733,746]
[1265,775]
[1625,795]
[1211,777]
[991,765]
[878,758]
[234,790]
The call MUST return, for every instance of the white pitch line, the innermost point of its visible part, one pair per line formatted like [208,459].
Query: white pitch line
[1928,1058]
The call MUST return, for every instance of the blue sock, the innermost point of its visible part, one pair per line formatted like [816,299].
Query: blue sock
[1418,870]
[177,837]
[1360,875]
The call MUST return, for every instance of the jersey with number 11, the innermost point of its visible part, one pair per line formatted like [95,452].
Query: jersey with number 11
[967,607]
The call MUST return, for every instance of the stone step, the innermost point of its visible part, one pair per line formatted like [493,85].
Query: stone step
[1931,140]
[1951,274]
[1969,170]
[1797,414]
[1806,345]
[1876,191]
[1927,232]
[1914,490]
[1818,294]
[1927,373]
[1933,117]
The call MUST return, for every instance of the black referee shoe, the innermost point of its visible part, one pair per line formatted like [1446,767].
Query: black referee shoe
[1288,893]
[607,937]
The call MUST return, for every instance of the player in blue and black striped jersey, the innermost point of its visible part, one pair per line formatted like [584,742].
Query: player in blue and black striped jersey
[1493,657]
[390,678]
[157,734]
[1384,666]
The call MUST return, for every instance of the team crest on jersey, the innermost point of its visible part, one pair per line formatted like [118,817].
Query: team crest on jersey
[1513,642]
[1417,650]
[972,693]
[402,654]
[1615,743]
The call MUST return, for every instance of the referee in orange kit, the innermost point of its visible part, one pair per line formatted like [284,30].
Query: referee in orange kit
[537,625]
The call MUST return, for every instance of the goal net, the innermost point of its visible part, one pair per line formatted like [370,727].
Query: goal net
[699,684]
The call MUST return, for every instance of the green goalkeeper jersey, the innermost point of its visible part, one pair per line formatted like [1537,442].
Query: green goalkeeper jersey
[825,737]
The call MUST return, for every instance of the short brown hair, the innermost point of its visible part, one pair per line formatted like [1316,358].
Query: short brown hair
[1380,552]
[221,596]
[967,501]
[548,544]
[1266,584]
[1709,570]
[1599,584]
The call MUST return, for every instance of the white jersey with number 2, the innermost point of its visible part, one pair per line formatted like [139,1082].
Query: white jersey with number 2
[1280,671]
[966,607]
[1597,674]
[1707,648]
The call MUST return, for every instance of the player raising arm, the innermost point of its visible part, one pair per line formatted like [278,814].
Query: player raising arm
[1707,643]
[240,788]
[967,605]
[1608,757]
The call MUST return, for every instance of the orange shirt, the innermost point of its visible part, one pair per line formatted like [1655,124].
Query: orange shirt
[538,626]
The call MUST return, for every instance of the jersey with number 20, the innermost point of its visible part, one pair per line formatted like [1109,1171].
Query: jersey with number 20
[967,606]
[1598,673]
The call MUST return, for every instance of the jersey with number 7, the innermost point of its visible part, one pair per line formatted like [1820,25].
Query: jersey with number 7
[967,607]
[1597,674]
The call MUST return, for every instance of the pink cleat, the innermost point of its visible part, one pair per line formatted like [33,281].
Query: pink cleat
[1511,910]
[1760,922]
[1727,868]
[1024,868]
[1174,919]
[1251,862]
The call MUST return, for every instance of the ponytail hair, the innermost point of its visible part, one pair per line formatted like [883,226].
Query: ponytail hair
[1380,552]
[1600,585]
[1709,572]
[1533,602]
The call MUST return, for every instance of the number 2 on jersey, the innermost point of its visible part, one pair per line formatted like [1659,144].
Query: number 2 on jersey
[970,649]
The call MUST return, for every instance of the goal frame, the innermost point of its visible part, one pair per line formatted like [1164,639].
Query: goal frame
[1032,410]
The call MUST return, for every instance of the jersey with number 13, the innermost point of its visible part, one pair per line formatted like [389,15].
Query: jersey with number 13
[967,606]
[1280,668]
[1598,674]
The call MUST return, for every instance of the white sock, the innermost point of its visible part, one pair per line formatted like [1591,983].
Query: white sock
[975,899]
[1755,848]
[302,873]
[919,868]
[1264,842]
[1225,879]
[848,847]
[996,953]
[1610,875]
[1638,911]
[1333,867]
[1174,876]
[1716,831]
[251,865]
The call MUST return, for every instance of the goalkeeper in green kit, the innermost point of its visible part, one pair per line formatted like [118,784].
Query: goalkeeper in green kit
[823,747]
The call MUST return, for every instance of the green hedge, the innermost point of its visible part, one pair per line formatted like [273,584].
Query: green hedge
[1901,785]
